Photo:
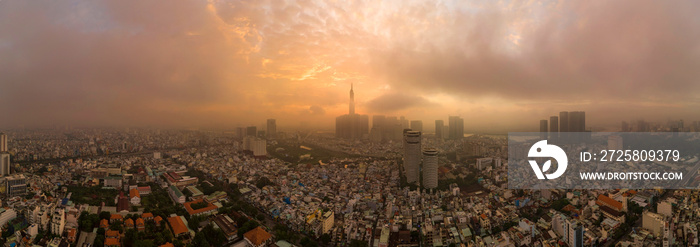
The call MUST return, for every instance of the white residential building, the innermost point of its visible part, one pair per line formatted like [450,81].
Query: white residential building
[58,221]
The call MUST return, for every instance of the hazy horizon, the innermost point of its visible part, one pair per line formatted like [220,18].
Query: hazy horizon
[224,64]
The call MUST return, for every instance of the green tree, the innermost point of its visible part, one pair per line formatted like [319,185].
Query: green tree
[326,238]
[215,237]
[358,243]
[129,237]
[105,215]
[99,240]
[200,240]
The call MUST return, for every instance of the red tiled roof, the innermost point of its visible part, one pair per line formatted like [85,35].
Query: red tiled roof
[158,219]
[147,215]
[177,225]
[112,234]
[188,207]
[112,242]
[257,236]
[605,200]
[134,193]
[116,217]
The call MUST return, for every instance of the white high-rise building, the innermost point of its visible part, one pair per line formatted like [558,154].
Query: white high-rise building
[430,168]
[58,221]
[560,226]
[653,222]
[665,208]
[259,147]
[7,214]
[575,233]
[412,155]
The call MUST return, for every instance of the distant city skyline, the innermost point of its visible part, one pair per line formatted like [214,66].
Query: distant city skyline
[501,66]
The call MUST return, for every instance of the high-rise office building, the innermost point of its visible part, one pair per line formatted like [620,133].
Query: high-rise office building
[553,127]
[251,131]
[564,121]
[439,127]
[393,130]
[351,125]
[3,142]
[378,121]
[4,164]
[16,185]
[456,127]
[430,168]
[404,122]
[271,128]
[543,129]
[417,125]
[575,232]
[412,155]
[577,121]
[240,132]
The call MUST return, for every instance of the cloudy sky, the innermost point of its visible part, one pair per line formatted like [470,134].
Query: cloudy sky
[501,65]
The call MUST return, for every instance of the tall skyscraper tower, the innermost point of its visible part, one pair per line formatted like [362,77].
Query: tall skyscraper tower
[575,232]
[412,155]
[564,121]
[417,125]
[430,168]
[553,124]
[543,129]
[577,121]
[352,100]
[3,142]
[456,127]
[439,126]
[251,131]
[271,129]
[554,127]
[352,125]
[404,122]
[4,164]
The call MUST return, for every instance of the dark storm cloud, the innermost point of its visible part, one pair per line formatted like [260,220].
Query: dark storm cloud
[576,51]
[90,62]
[394,102]
[192,62]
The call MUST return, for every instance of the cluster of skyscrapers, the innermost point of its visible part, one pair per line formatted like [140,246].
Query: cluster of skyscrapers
[256,141]
[574,121]
[455,130]
[414,156]
[390,128]
[351,125]
[253,131]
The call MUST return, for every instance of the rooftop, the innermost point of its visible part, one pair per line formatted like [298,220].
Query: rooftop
[257,236]
[177,225]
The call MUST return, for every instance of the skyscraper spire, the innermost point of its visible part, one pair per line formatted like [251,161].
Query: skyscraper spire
[352,100]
